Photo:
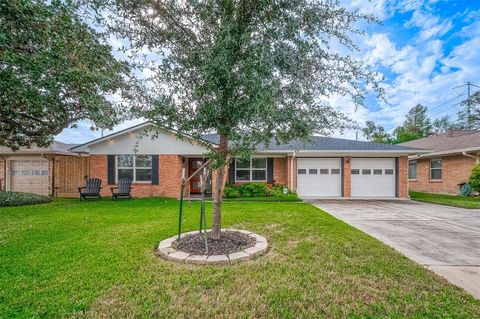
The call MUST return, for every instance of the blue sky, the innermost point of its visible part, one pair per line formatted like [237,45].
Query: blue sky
[423,49]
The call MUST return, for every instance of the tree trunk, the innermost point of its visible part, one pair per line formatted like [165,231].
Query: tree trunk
[217,195]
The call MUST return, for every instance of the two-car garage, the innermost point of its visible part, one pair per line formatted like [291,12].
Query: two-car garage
[324,177]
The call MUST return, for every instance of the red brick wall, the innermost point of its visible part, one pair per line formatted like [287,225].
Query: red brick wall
[2,173]
[289,171]
[170,172]
[455,169]
[280,171]
[347,185]
[403,177]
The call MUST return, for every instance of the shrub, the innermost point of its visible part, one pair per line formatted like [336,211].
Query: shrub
[474,179]
[20,199]
[277,191]
[253,190]
[231,191]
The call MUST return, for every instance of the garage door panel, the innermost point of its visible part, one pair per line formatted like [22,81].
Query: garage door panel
[29,176]
[373,177]
[319,177]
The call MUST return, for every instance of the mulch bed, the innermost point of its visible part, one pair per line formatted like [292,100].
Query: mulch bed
[229,243]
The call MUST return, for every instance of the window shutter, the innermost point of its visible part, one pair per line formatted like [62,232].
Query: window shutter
[111,169]
[154,169]
[231,172]
[270,170]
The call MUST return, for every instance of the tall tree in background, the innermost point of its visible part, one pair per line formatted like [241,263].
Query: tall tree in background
[54,71]
[469,120]
[248,70]
[376,133]
[442,125]
[417,124]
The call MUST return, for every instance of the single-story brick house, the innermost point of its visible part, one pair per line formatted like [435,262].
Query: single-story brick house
[448,164]
[52,170]
[325,167]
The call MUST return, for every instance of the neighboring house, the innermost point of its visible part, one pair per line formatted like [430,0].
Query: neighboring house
[52,170]
[325,167]
[450,162]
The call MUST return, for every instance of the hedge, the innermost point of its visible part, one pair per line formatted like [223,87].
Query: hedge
[20,199]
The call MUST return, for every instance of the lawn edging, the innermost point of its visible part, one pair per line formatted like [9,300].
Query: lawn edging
[167,251]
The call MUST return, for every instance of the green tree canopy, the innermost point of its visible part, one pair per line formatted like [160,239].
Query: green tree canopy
[54,71]
[469,119]
[248,70]
[376,133]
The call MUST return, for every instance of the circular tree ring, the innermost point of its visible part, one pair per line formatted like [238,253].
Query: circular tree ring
[167,251]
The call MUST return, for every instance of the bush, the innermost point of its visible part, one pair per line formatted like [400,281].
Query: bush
[231,191]
[257,190]
[277,191]
[20,199]
[253,190]
[474,179]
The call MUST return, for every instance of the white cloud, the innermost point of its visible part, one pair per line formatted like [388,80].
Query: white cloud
[430,25]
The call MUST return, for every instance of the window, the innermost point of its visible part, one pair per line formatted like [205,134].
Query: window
[323,171]
[136,167]
[302,171]
[335,171]
[355,171]
[436,169]
[412,170]
[389,171]
[253,169]
[366,171]
[377,172]
[312,171]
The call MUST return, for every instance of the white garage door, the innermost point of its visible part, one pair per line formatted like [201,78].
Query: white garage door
[319,177]
[373,177]
[29,176]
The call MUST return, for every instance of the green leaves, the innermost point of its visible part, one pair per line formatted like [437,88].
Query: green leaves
[248,70]
[54,71]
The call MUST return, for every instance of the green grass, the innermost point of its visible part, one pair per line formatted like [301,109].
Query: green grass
[264,199]
[95,260]
[450,200]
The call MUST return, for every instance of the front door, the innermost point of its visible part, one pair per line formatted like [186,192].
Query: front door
[193,165]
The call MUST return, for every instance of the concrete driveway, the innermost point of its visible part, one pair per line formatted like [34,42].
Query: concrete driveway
[444,239]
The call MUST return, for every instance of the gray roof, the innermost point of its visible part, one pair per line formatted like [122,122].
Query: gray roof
[322,143]
[55,147]
[450,141]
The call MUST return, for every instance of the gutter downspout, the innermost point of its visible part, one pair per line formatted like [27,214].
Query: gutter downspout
[291,170]
[471,156]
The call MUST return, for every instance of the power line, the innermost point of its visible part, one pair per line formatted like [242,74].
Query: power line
[446,102]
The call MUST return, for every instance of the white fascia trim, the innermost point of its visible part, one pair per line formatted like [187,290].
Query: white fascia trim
[450,152]
[344,152]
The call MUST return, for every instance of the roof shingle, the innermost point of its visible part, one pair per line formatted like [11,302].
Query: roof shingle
[452,140]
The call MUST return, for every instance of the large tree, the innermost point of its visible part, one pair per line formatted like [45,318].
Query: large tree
[417,124]
[376,133]
[249,70]
[54,71]
[469,114]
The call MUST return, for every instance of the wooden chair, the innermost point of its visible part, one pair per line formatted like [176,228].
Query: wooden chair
[123,189]
[91,189]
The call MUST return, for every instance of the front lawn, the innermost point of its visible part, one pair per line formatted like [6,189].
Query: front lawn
[95,260]
[450,200]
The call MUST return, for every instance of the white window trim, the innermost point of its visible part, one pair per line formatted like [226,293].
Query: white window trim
[250,169]
[441,169]
[412,162]
[134,180]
